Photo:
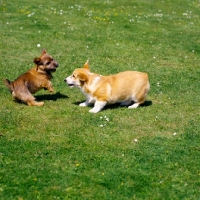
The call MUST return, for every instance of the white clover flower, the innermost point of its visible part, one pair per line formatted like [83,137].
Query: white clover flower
[38,45]
[135,140]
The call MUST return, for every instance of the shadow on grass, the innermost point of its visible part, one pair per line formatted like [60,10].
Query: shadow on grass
[52,97]
[116,105]
[146,104]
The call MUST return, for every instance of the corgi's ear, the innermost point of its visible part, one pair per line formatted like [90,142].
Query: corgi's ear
[86,65]
[43,51]
[82,77]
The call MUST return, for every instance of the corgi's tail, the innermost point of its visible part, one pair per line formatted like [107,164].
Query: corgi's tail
[9,85]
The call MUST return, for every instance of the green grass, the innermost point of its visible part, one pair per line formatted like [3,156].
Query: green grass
[61,151]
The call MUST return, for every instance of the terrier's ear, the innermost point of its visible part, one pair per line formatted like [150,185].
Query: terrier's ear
[37,60]
[43,51]
[86,65]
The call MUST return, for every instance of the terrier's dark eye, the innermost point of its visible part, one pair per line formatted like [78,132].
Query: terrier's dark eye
[48,63]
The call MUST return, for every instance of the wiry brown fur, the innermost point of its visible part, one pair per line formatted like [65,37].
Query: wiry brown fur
[37,78]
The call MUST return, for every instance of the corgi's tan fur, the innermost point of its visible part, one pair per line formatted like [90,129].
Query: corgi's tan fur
[129,88]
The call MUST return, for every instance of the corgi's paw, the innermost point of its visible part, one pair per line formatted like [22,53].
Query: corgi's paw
[83,104]
[135,105]
[94,110]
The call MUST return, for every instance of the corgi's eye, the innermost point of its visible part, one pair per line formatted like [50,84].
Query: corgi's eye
[73,76]
[48,63]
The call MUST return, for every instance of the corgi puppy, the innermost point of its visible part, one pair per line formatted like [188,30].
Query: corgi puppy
[129,88]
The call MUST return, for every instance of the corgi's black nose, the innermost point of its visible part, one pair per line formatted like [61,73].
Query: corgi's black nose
[65,80]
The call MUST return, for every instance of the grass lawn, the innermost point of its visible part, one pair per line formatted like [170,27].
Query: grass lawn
[61,151]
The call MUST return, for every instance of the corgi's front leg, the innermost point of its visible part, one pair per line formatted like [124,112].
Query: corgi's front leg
[84,104]
[99,105]
[88,102]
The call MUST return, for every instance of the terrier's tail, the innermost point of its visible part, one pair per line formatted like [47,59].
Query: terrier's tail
[9,85]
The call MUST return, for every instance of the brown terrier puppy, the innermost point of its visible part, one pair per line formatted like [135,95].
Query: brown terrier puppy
[35,79]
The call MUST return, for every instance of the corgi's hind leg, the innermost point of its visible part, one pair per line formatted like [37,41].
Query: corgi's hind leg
[125,103]
[140,97]
[135,105]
